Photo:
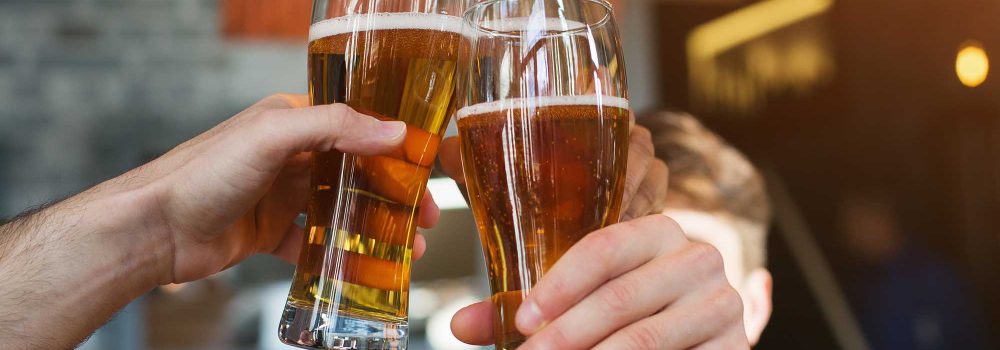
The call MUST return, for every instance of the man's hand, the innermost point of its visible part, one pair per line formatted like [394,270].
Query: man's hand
[647,286]
[197,210]
[236,189]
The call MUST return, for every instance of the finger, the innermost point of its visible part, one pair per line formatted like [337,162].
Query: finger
[631,297]
[419,246]
[681,326]
[172,159]
[280,133]
[276,101]
[605,254]
[473,324]
[429,212]
[291,246]
[451,159]
[651,195]
[640,155]
[736,339]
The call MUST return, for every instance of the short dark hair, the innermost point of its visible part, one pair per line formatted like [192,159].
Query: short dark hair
[707,174]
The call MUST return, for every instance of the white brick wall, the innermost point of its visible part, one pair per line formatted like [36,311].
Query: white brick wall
[89,88]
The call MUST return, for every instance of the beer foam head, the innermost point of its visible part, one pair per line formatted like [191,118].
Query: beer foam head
[385,21]
[531,24]
[546,101]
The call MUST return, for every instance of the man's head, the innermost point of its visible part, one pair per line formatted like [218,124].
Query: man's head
[718,197]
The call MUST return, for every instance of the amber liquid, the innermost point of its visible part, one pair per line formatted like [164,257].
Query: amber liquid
[361,222]
[538,184]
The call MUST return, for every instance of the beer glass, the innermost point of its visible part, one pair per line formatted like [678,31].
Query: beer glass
[392,60]
[544,130]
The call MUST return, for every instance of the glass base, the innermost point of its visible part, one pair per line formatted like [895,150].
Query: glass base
[309,329]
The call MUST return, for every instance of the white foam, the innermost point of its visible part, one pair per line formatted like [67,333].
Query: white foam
[537,102]
[532,24]
[384,21]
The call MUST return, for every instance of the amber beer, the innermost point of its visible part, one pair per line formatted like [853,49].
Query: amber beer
[355,260]
[542,173]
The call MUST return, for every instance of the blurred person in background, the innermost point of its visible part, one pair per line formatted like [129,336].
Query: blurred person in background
[236,189]
[908,298]
[716,196]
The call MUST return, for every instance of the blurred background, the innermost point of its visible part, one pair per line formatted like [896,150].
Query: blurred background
[876,122]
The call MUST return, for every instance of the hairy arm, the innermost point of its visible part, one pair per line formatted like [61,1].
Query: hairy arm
[66,269]
[204,206]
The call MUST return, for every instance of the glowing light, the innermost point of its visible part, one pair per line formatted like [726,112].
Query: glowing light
[750,22]
[716,83]
[971,64]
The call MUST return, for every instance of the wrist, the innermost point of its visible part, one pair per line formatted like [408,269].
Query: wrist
[74,264]
[131,239]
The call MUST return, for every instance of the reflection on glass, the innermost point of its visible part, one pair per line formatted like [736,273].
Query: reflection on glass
[544,135]
[392,60]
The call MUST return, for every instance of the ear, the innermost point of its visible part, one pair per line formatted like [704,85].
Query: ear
[756,293]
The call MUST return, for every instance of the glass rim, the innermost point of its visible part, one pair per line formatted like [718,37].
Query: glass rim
[469,13]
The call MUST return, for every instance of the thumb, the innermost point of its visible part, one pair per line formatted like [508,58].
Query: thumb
[474,323]
[286,132]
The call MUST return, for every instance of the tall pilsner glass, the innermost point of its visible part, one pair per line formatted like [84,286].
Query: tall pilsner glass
[544,129]
[393,60]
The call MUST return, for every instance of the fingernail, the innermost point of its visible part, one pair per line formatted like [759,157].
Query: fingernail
[391,129]
[529,317]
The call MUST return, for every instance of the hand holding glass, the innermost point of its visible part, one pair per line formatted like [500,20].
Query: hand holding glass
[393,60]
[544,132]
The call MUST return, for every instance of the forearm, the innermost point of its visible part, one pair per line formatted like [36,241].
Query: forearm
[66,269]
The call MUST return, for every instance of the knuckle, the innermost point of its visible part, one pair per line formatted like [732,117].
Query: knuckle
[266,124]
[337,115]
[672,226]
[666,229]
[335,118]
[728,304]
[556,289]
[642,336]
[602,244]
[663,221]
[268,119]
[707,257]
[270,128]
[338,109]
[619,294]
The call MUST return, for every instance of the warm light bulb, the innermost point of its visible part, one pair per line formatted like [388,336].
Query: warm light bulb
[971,64]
